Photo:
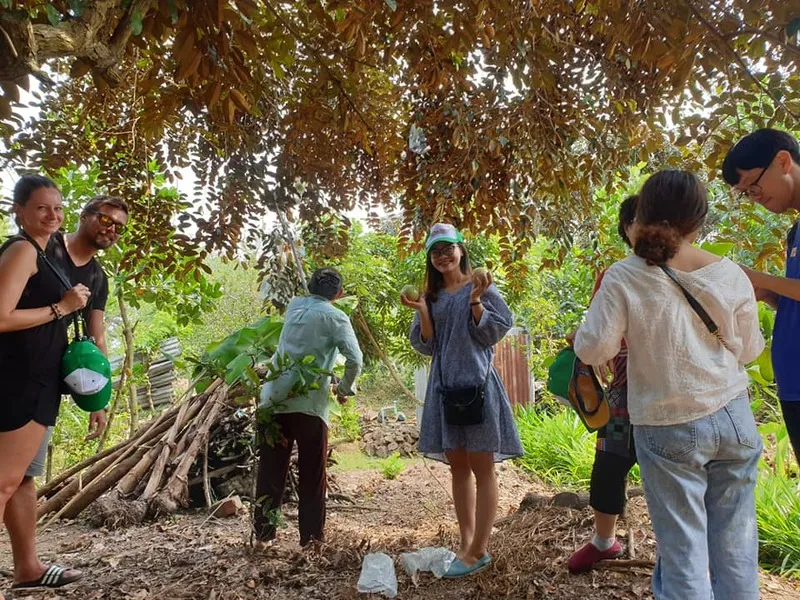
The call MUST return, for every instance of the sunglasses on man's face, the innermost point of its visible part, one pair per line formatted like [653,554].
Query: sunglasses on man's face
[109,222]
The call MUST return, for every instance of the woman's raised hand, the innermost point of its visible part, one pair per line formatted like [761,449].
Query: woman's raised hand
[418,304]
[75,299]
[481,280]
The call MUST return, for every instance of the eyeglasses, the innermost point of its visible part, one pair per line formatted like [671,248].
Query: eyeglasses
[753,191]
[108,222]
[448,250]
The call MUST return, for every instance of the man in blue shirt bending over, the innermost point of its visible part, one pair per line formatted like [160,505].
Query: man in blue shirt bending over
[765,167]
[312,327]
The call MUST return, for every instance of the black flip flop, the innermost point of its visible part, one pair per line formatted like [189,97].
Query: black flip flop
[53,577]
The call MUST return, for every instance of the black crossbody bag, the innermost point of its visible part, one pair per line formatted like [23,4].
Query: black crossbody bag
[465,405]
[712,327]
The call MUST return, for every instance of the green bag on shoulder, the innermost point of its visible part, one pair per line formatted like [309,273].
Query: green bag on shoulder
[560,374]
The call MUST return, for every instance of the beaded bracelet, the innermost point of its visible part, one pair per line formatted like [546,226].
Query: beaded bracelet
[56,312]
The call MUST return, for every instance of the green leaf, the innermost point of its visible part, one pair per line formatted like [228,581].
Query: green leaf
[769,428]
[764,362]
[347,304]
[173,11]
[766,318]
[391,4]
[136,23]
[52,14]
[236,368]
[755,375]
[718,248]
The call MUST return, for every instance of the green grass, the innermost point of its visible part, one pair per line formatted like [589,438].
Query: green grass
[558,448]
[392,466]
[560,451]
[778,514]
[355,460]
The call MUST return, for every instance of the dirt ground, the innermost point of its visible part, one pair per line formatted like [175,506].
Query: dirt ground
[193,557]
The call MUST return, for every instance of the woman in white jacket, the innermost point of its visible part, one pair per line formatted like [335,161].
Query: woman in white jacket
[696,439]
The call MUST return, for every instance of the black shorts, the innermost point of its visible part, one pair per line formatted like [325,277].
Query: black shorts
[29,400]
[607,488]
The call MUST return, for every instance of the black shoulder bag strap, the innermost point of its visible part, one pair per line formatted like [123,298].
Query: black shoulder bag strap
[701,312]
[77,316]
[436,350]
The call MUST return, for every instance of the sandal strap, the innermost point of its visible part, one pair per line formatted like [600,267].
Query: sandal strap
[52,575]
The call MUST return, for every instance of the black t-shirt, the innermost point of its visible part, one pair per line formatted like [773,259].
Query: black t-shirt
[91,274]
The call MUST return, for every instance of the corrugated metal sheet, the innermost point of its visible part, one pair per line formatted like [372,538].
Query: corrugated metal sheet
[511,362]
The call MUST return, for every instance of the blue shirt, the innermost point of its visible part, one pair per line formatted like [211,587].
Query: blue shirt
[314,327]
[786,335]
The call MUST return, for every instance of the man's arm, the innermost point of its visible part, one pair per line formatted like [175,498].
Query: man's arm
[96,328]
[781,286]
[767,297]
[347,343]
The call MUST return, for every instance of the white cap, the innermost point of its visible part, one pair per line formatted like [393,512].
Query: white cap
[85,381]
[443,232]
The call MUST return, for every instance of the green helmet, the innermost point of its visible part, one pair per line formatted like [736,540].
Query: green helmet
[87,374]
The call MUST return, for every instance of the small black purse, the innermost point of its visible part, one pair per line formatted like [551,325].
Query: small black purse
[462,406]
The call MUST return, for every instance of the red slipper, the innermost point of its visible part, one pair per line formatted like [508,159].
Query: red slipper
[587,557]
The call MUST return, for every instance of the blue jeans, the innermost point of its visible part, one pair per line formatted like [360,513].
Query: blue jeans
[699,481]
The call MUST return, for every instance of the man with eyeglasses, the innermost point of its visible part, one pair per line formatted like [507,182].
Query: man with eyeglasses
[765,167]
[102,221]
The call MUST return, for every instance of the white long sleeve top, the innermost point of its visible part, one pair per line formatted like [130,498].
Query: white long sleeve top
[677,370]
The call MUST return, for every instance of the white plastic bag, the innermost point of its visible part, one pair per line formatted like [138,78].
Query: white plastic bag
[378,576]
[435,560]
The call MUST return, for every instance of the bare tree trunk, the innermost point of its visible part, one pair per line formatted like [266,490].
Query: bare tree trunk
[114,405]
[49,473]
[133,403]
[287,235]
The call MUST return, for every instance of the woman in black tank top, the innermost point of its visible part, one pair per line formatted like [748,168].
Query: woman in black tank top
[32,332]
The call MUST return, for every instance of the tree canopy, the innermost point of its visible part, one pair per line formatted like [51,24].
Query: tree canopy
[501,116]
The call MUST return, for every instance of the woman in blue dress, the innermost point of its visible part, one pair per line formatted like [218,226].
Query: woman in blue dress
[457,322]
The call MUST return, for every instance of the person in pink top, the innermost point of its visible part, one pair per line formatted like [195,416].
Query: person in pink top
[615,454]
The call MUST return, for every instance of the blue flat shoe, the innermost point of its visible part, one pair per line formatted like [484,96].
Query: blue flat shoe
[458,569]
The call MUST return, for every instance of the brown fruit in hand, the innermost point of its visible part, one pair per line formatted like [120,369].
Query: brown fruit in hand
[410,292]
[480,271]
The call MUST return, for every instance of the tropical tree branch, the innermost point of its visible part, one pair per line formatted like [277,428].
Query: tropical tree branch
[32,44]
[713,30]
[318,56]
[770,37]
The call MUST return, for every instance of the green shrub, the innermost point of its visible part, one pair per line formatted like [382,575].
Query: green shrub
[346,421]
[778,514]
[558,448]
[392,466]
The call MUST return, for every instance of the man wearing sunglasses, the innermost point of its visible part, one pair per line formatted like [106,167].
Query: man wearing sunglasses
[765,168]
[102,221]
